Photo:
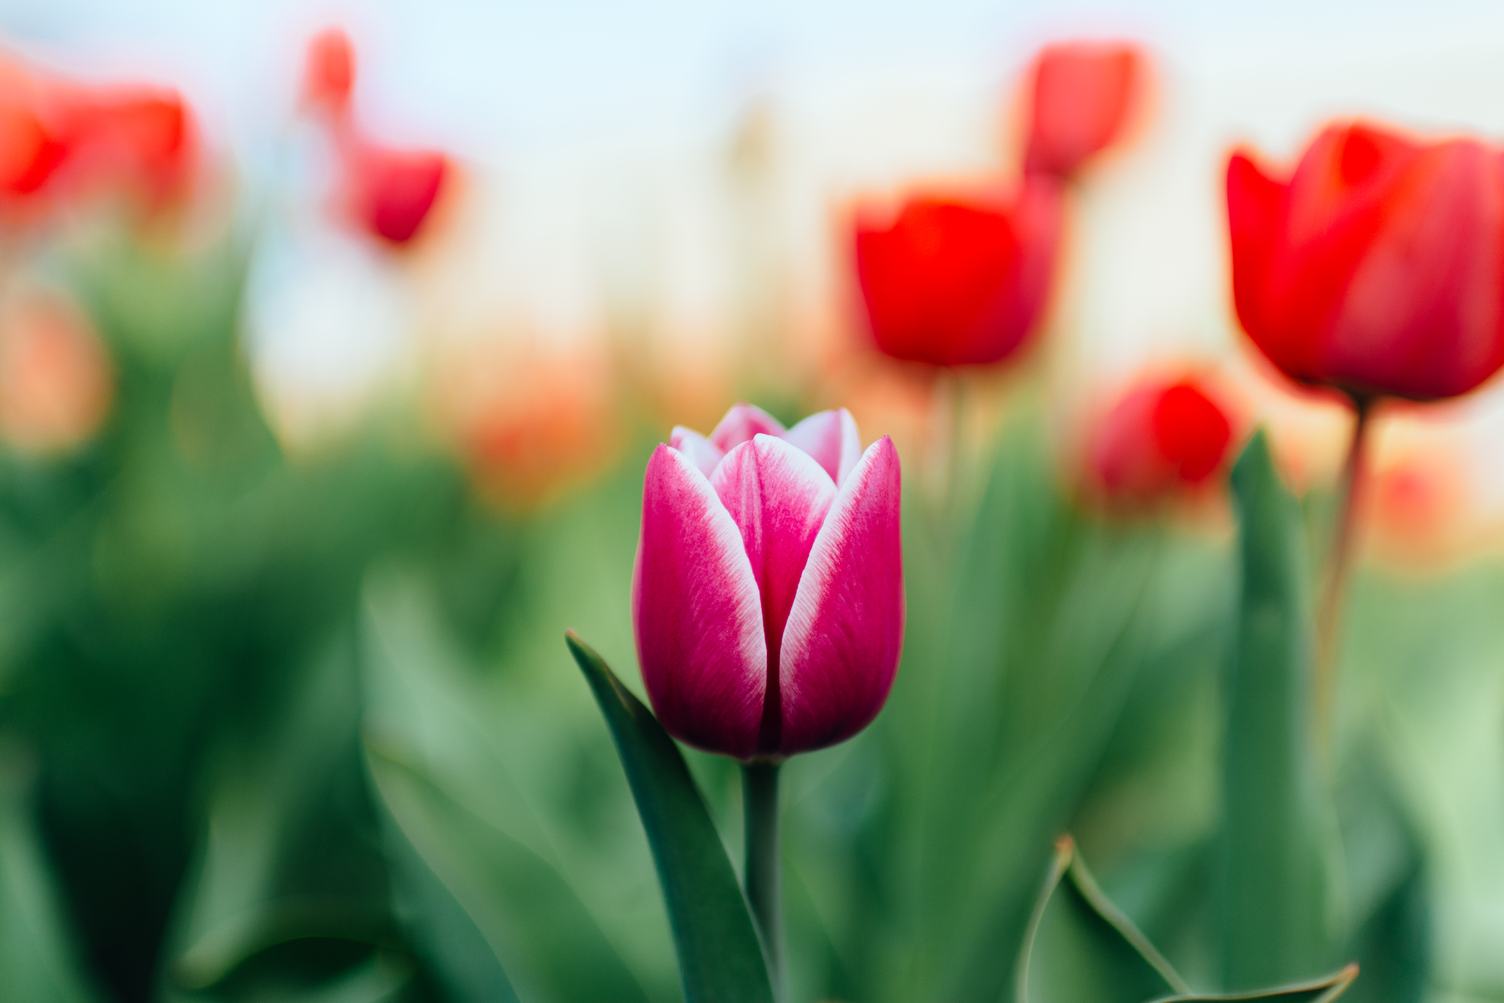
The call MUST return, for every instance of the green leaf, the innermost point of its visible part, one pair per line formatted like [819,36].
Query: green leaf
[1080,947]
[1274,870]
[1321,990]
[512,895]
[720,956]
[37,956]
[462,961]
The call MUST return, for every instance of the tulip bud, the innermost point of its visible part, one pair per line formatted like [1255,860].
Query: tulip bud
[1373,268]
[391,193]
[329,73]
[951,282]
[768,593]
[1158,440]
[1081,95]
[135,139]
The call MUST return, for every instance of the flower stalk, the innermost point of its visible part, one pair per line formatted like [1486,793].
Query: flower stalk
[761,877]
[1339,568]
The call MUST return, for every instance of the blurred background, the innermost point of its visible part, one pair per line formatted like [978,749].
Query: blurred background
[333,342]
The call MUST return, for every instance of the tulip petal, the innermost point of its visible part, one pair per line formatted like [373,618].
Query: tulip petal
[698,613]
[1254,203]
[831,438]
[703,453]
[741,423]
[778,496]
[1421,317]
[845,630]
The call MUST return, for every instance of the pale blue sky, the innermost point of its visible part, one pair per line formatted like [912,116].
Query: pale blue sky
[501,76]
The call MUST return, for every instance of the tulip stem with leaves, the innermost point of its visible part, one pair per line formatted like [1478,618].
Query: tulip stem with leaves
[761,877]
[768,607]
[1339,566]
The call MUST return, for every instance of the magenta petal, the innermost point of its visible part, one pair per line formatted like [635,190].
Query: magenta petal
[697,612]
[831,438]
[778,497]
[845,631]
[741,423]
[703,453]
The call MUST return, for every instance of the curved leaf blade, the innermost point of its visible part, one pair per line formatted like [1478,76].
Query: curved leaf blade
[37,958]
[1275,873]
[1321,990]
[720,956]
[515,898]
[1081,947]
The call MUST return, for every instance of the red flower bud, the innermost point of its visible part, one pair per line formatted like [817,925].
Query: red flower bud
[1080,97]
[392,191]
[1160,439]
[329,72]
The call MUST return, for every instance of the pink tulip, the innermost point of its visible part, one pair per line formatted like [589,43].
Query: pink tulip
[768,593]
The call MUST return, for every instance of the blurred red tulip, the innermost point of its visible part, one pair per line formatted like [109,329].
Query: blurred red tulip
[59,137]
[386,191]
[329,72]
[1080,97]
[1375,267]
[952,282]
[1160,438]
[133,137]
[30,152]
[33,145]
[392,192]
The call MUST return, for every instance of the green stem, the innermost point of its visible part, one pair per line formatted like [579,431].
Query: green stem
[761,878]
[1339,568]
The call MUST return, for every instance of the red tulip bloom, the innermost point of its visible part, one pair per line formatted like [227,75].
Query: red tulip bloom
[329,72]
[31,149]
[135,137]
[1080,97]
[33,144]
[1377,266]
[951,282]
[391,192]
[1160,439]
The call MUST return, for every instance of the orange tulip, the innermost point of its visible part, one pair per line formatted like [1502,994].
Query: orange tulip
[56,381]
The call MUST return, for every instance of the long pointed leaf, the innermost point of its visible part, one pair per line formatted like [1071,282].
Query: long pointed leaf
[36,956]
[1274,873]
[720,956]
[1080,947]
[1321,990]
[515,898]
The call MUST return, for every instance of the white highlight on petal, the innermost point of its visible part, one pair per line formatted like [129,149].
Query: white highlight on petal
[844,633]
[703,453]
[831,438]
[741,423]
[698,612]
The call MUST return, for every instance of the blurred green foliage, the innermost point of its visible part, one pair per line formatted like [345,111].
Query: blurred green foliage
[282,727]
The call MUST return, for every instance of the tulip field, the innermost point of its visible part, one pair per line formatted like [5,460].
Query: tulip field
[391,613]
